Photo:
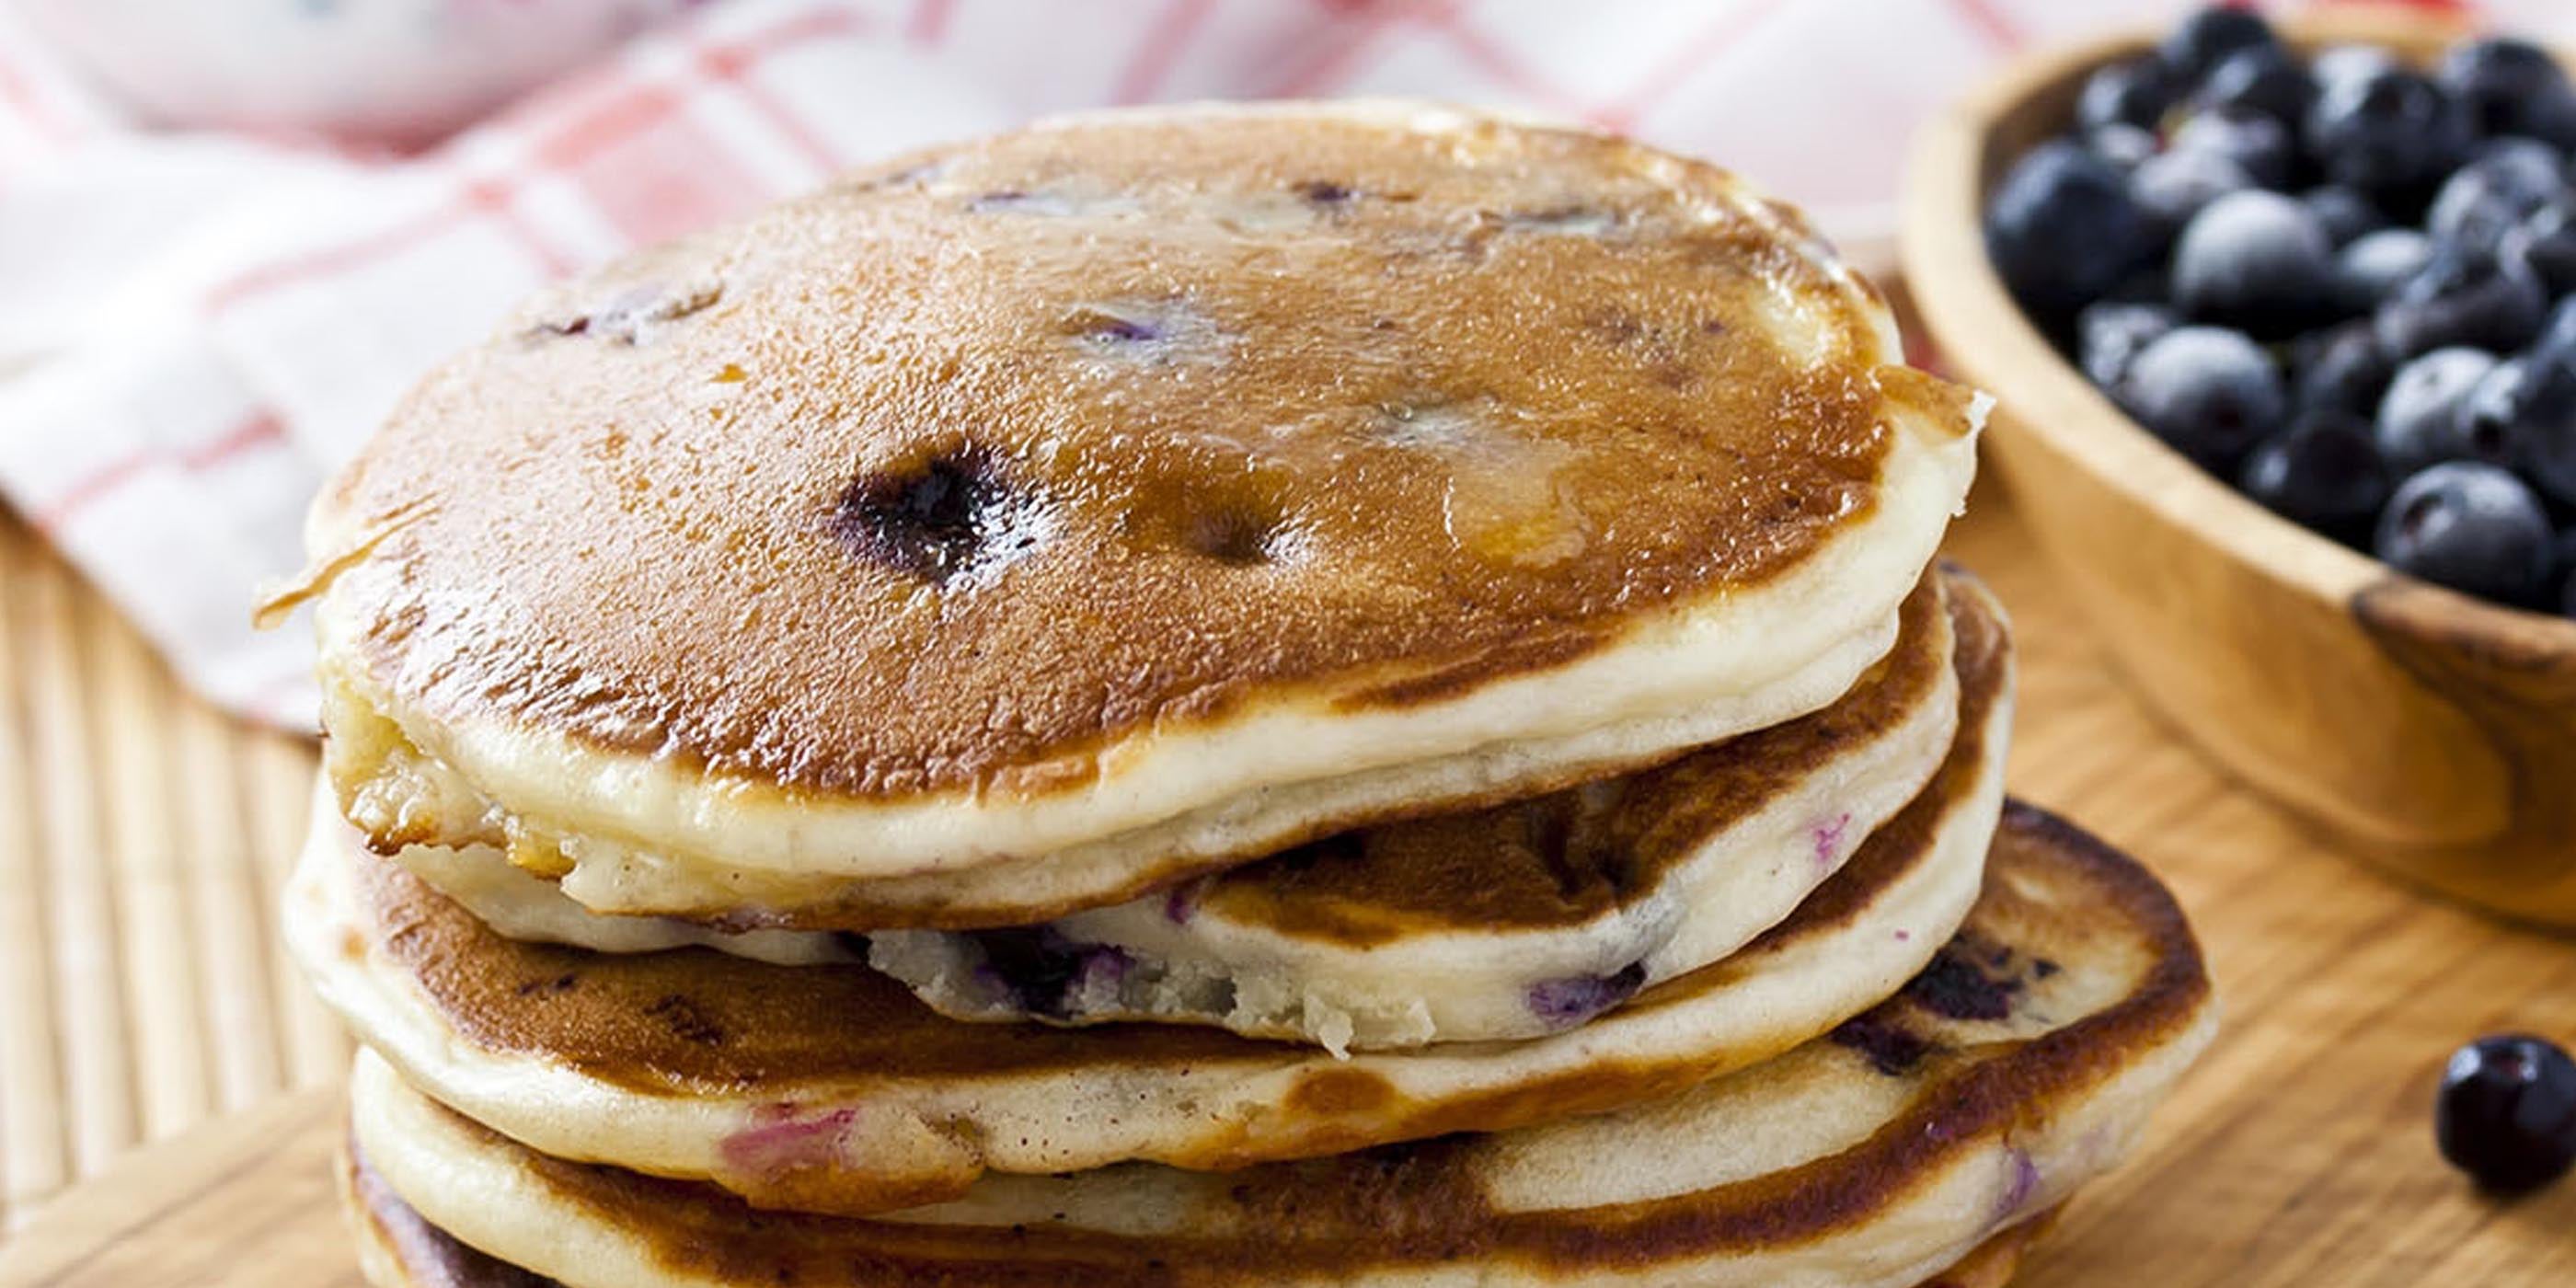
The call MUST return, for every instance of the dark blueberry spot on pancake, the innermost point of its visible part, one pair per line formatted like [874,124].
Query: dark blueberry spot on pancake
[1957,986]
[1890,1047]
[1564,1003]
[686,1020]
[948,516]
[1324,192]
[1235,534]
[2042,968]
[1042,971]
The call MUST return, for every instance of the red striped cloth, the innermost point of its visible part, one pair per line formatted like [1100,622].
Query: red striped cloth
[198,328]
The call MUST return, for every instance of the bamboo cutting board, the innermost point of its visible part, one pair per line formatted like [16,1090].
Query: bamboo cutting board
[2299,1152]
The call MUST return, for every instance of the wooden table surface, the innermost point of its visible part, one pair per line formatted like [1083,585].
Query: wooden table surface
[140,837]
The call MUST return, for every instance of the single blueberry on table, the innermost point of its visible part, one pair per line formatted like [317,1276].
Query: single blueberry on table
[2377,263]
[2199,42]
[2463,296]
[2133,93]
[2504,85]
[2506,1113]
[2509,180]
[2344,213]
[2323,472]
[2261,78]
[2469,526]
[2255,140]
[2170,187]
[2385,131]
[2110,333]
[2255,260]
[2209,392]
[2341,368]
[2062,230]
[2419,418]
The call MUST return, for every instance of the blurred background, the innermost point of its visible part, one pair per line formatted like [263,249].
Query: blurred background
[233,231]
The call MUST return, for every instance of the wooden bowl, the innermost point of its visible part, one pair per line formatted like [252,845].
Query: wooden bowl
[2429,731]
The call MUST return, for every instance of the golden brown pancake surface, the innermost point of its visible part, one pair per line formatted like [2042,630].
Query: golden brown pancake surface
[950,475]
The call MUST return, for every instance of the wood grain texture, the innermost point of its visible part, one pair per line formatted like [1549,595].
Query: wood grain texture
[2435,733]
[142,838]
[2299,1152]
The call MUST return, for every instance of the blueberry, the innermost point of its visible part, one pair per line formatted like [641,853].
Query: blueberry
[2507,181]
[2172,187]
[2256,141]
[2343,213]
[2323,472]
[2147,284]
[2551,118]
[2133,93]
[2255,260]
[1564,1003]
[2506,86]
[2209,392]
[2545,242]
[2262,78]
[2506,1114]
[2495,417]
[2469,526]
[2338,63]
[2061,228]
[2419,418]
[2385,131]
[2110,333]
[2341,369]
[2558,334]
[2462,296]
[2376,264]
[2125,146]
[2197,45]
[2564,571]
[2540,424]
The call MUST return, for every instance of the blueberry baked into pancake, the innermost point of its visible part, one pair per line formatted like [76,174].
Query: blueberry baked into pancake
[1273,694]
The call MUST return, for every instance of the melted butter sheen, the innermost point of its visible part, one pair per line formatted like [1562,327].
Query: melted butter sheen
[975,462]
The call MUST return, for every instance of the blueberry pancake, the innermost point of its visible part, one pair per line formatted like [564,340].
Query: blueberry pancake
[2020,1063]
[1489,924]
[831,1088]
[1035,522]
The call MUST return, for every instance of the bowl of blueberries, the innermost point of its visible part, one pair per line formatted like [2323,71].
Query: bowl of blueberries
[2281,322]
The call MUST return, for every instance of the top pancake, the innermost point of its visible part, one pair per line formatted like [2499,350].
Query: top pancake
[1033,491]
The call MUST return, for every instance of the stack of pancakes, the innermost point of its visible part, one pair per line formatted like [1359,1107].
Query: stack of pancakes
[1275,695]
